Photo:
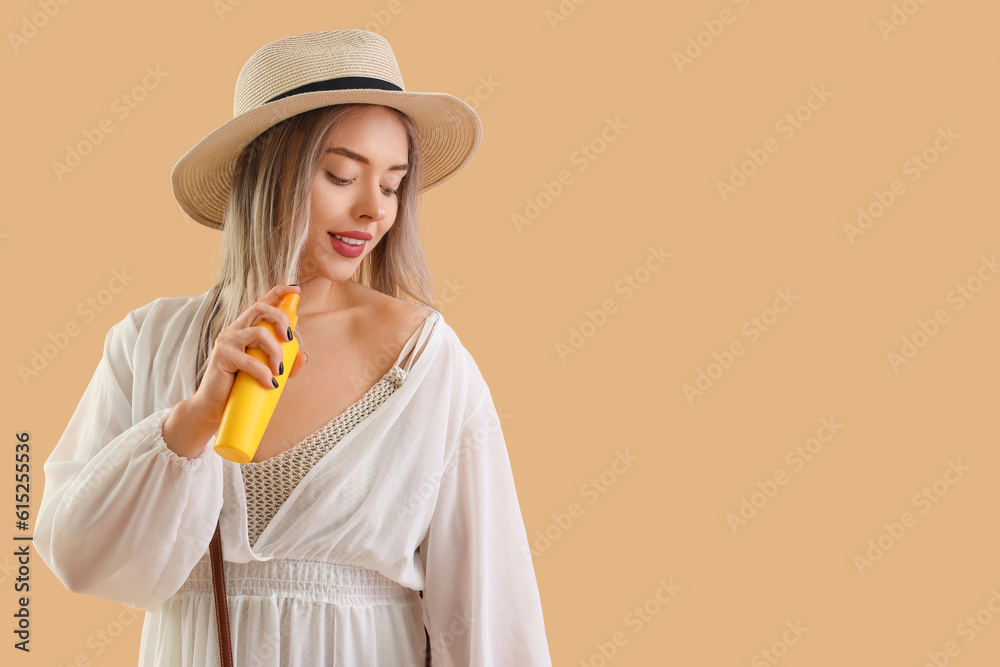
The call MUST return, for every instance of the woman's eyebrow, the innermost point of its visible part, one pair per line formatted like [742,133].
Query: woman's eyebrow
[361,158]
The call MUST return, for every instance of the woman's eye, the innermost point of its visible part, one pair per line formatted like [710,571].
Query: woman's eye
[342,181]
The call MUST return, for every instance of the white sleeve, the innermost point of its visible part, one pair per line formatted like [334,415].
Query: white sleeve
[481,602]
[122,516]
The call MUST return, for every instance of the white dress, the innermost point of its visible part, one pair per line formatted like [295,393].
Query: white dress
[408,490]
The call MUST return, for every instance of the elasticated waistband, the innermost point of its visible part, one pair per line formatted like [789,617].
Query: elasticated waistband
[318,581]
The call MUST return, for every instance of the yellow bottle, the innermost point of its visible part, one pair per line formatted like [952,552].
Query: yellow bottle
[251,404]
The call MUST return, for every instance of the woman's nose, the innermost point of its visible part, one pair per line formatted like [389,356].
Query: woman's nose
[371,202]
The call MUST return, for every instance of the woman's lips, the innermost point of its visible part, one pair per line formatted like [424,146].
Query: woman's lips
[346,249]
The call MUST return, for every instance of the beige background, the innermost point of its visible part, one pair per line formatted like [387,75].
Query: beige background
[519,294]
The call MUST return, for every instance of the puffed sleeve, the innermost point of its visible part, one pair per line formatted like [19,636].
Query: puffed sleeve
[481,602]
[122,516]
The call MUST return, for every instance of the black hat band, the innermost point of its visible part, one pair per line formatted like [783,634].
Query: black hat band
[339,83]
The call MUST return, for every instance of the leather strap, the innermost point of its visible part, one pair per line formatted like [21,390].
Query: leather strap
[221,602]
[428,637]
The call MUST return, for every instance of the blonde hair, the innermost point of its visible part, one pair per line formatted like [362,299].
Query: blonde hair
[266,223]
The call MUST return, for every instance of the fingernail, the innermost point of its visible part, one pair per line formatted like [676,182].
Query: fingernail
[289,333]
[307,357]
[274,382]
[281,368]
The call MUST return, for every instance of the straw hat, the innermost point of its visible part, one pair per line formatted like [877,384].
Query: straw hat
[296,74]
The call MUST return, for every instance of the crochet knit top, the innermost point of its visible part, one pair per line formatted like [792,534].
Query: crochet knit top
[270,482]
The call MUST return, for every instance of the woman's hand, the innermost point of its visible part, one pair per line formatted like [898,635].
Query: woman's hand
[229,354]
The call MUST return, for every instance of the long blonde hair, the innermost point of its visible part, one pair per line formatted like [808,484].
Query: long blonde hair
[267,222]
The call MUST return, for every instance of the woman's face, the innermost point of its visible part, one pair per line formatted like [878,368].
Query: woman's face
[355,192]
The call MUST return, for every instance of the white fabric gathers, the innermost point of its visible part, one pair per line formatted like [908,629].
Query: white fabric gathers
[409,490]
[268,483]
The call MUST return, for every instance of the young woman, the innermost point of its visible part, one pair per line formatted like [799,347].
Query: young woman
[377,523]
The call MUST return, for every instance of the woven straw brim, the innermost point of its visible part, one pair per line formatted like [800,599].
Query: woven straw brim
[448,129]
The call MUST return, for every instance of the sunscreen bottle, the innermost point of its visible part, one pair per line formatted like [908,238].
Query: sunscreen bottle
[251,404]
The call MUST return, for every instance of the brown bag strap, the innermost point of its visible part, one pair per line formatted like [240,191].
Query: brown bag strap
[221,602]
[428,638]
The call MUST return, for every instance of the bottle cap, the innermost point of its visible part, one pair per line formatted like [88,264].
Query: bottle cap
[289,302]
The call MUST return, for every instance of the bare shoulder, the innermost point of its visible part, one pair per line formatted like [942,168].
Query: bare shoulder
[404,315]
[395,315]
